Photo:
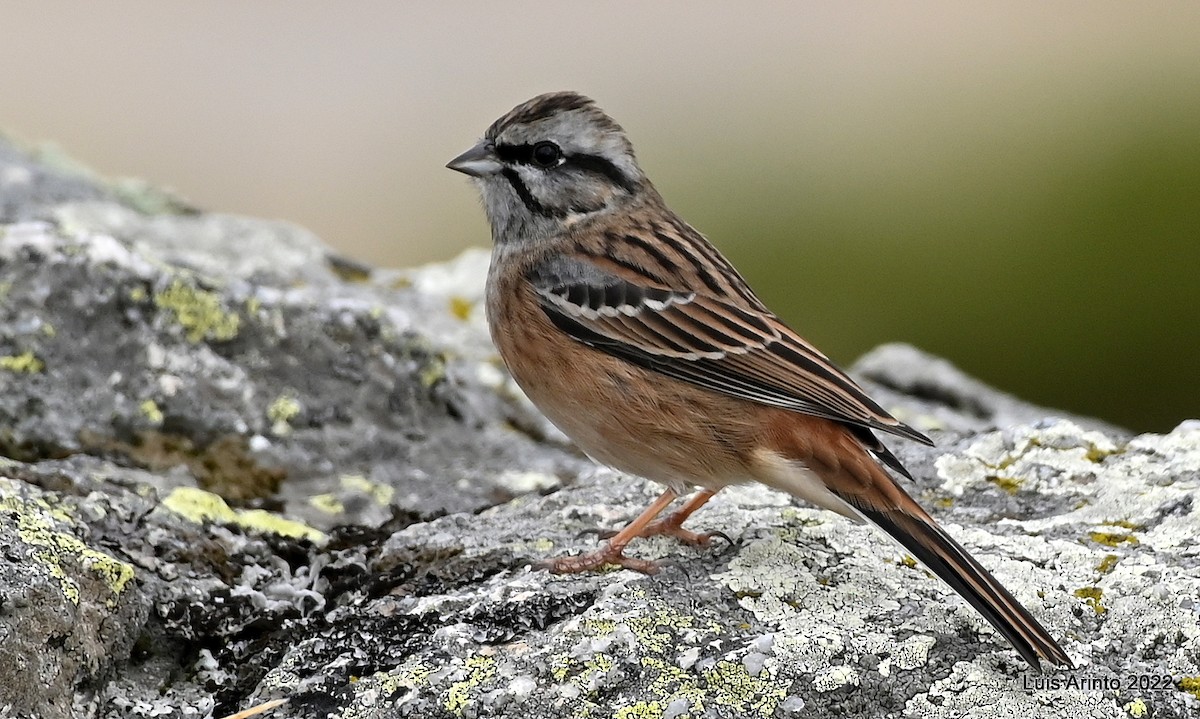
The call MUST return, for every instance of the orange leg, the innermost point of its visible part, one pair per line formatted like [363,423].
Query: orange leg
[672,524]
[613,552]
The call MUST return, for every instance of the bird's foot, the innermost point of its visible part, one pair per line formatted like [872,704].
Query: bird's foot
[608,554]
[670,527]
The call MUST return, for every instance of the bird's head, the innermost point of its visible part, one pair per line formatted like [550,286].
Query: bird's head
[549,163]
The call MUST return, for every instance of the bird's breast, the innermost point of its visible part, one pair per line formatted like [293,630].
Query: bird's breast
[618,413]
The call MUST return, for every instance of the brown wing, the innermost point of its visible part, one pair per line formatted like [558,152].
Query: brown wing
[740,349]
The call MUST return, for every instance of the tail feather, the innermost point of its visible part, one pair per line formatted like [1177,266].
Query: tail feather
[879,449]
[839,467]
[946,558]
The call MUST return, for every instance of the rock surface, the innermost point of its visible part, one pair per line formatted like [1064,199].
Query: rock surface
[235,468]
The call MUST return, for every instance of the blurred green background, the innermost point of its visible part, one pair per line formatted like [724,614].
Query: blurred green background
[1014,186]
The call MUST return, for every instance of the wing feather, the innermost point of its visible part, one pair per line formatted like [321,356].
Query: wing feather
[742,351]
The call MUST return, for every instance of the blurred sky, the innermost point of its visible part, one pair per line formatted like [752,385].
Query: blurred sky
[1015,186]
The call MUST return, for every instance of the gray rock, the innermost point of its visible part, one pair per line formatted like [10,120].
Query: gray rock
[241,469]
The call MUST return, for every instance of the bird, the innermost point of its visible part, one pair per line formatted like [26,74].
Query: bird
[635,336]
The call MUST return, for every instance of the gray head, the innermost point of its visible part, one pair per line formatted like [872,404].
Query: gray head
[548,163]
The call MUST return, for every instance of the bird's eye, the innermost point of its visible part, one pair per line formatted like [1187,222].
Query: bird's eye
[546,154]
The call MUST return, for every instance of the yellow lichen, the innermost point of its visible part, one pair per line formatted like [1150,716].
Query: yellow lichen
[409,675]
[732,686]
[35,522]
[24,363]
[640,710]
[659,630]
[460,308]
[199,506]
[433,372]
[1112,539]
[1092,595]
[150,409]
[199,312]
[326,503]
[541,544]
[380,493]
[599,627]
[1095,454]
[1010,485]
[481,668]
[1107,564]
[672,683]
[282,411]
[264,521]
[560,666]
[1191,685]
[1136,708]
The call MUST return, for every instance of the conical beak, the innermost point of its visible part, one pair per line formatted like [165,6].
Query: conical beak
[479,161]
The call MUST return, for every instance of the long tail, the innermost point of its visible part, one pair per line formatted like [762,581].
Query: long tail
[855,483]
[946,558]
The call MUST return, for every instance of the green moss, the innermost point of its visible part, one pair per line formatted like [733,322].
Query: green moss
[1092,595]
[24,363]
[199,312]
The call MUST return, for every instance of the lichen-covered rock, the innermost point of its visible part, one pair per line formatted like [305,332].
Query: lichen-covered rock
[240,469]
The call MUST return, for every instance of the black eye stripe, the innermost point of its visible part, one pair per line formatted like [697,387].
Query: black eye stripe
[523,155]
[601,166]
